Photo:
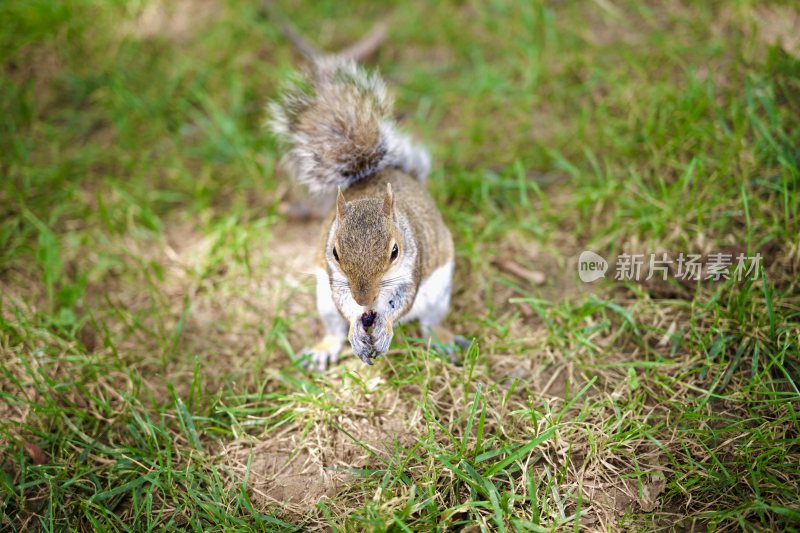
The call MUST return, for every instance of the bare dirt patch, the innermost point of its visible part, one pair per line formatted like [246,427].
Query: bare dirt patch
[223,306]
[779,25]
[176,19]
[318,456]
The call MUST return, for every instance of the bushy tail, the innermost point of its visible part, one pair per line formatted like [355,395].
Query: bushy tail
[338,127]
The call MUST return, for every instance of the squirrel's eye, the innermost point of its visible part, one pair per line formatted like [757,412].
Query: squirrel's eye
[335,255]
[394,252]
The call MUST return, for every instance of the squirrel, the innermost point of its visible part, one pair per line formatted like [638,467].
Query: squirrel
[386,255]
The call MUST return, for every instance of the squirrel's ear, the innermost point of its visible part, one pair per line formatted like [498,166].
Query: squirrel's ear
[388,201]
[341,204]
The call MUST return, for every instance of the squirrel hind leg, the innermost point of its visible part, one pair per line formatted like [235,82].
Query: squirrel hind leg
[446,343]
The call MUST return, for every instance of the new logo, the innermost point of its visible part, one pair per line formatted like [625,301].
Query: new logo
[591,266]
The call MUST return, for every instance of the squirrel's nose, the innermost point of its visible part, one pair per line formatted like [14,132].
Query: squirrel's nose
[363,297]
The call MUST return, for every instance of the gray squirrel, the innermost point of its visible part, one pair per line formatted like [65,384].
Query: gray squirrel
[386,255]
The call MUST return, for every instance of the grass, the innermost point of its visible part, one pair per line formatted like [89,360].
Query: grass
[152,297]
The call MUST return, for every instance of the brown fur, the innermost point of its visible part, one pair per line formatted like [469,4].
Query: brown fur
[342,121]
[365,232]
[338,126]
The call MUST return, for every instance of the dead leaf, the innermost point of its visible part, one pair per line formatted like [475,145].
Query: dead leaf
[38,456]
[510,267]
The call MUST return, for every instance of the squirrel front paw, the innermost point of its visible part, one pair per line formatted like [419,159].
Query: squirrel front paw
[382,333]
[370,342]
[361,342]
[323,353]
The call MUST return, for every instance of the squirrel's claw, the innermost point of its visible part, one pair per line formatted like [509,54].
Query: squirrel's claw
[461,341]
[448,345]
[367,358]
[448,350]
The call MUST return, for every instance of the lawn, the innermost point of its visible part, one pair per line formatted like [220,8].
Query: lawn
[154,297]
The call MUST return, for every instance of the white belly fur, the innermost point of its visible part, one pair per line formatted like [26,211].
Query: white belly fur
[433,297]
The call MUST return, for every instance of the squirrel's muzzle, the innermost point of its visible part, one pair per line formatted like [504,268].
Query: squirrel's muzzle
[364,296]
